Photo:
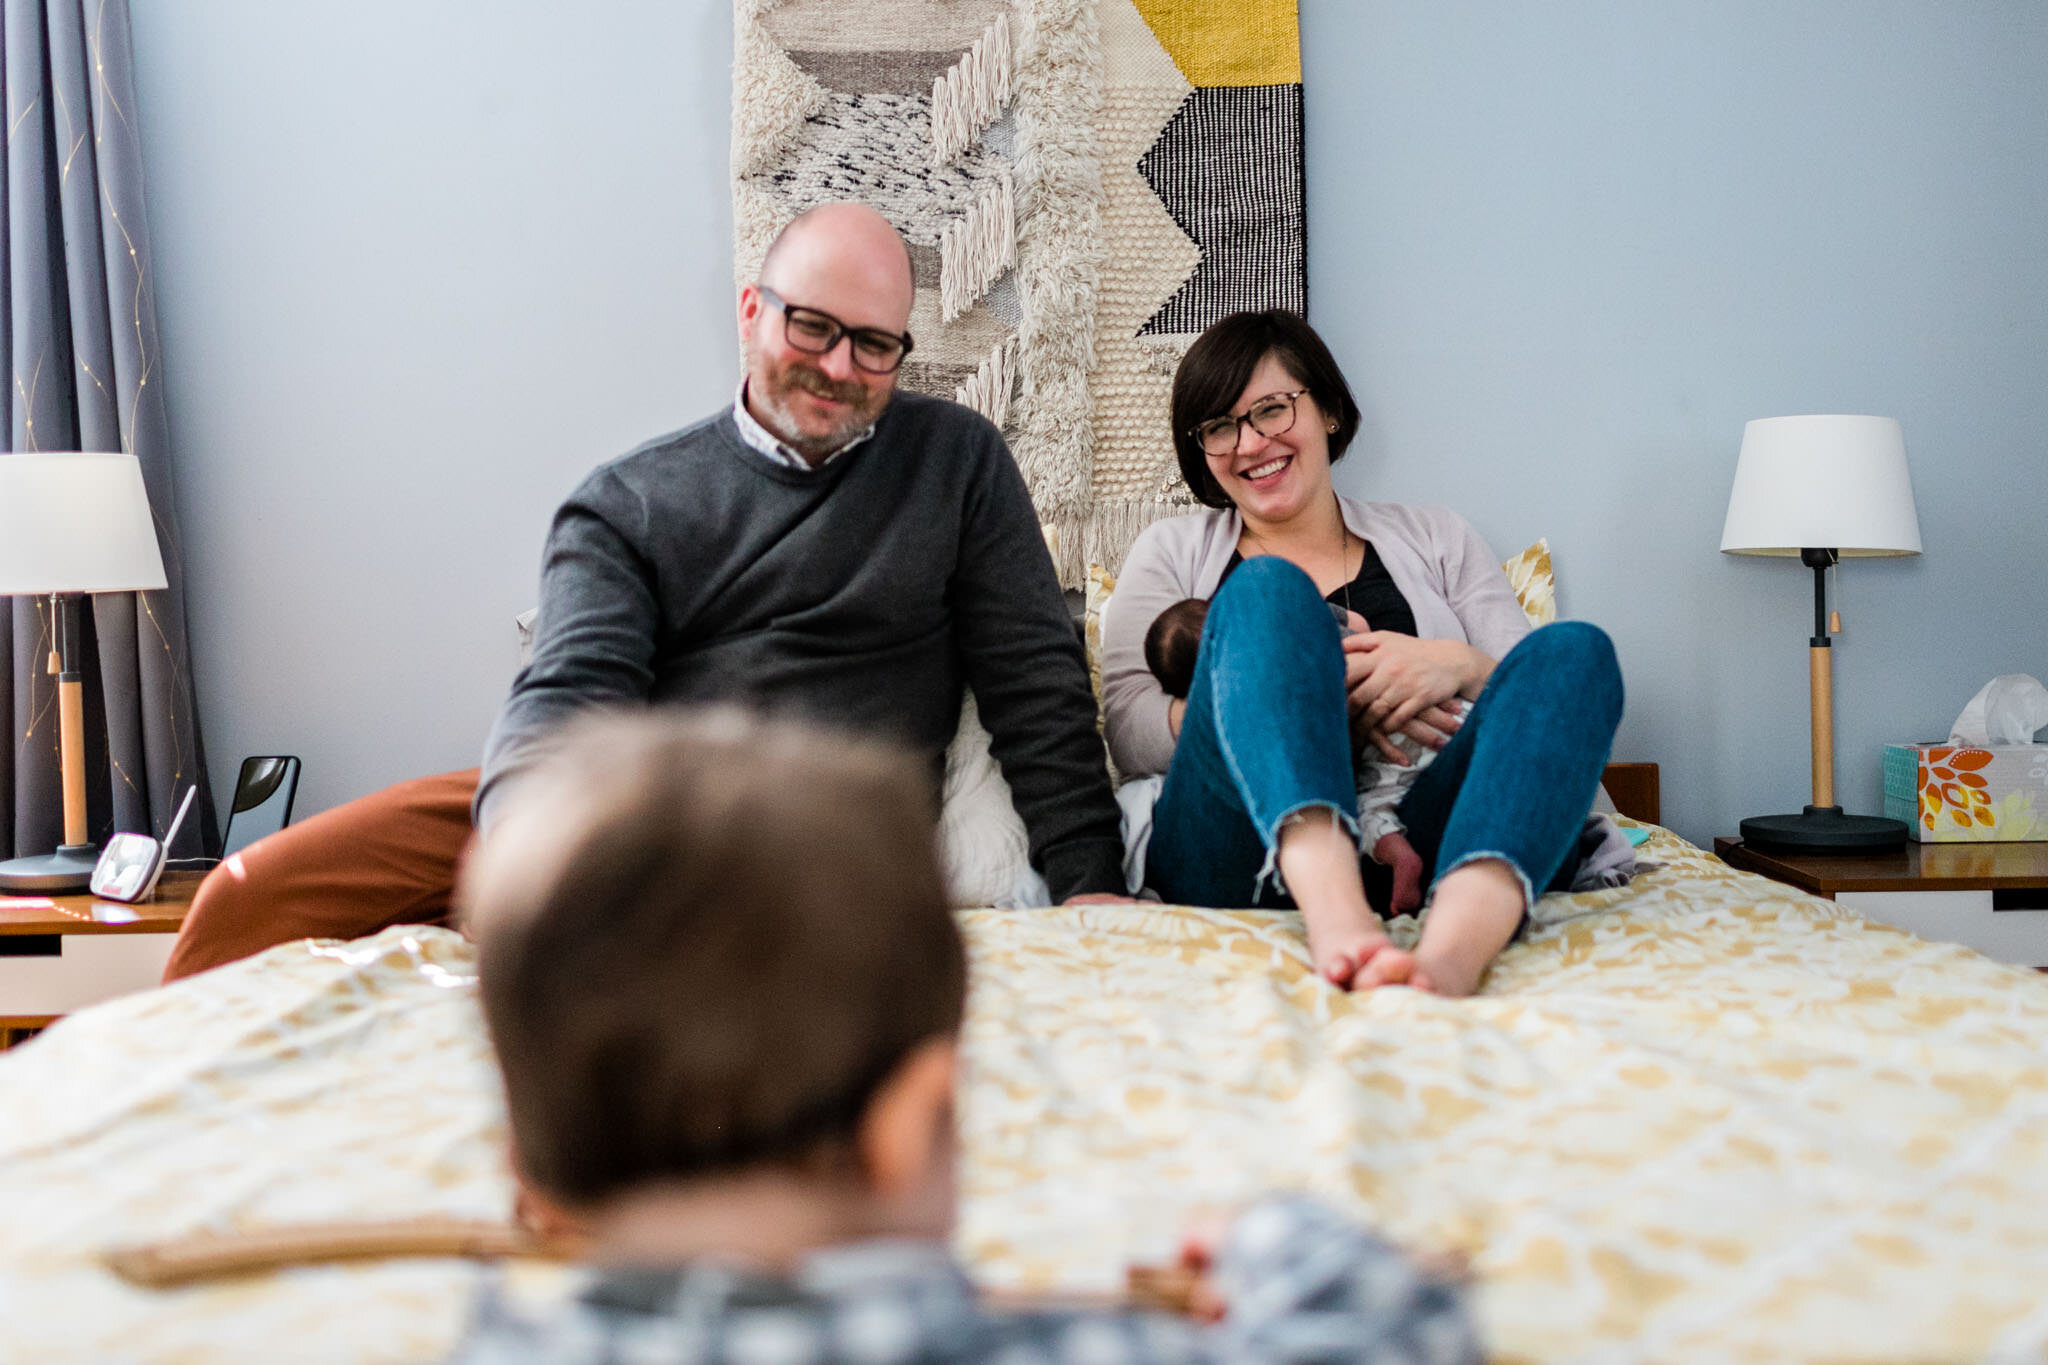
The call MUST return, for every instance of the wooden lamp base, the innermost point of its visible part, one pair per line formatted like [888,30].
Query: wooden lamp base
[1822,827]
[70,867]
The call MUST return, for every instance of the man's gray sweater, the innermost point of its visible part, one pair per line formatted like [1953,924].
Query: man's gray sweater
[862,594]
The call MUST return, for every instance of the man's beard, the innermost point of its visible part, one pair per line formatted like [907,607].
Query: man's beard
[778,384]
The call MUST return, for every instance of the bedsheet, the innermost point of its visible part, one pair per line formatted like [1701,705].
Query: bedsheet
[1704,1117]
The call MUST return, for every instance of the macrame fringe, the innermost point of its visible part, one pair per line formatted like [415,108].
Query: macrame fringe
[976,248]
[1104,533]
[988,390]
[971,96]
[772,96]
[772,99]
[1044,71]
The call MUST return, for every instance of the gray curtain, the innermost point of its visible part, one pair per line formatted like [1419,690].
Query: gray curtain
[78,299]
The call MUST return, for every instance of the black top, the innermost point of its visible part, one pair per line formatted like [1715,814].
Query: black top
[863,593]
[1373,594]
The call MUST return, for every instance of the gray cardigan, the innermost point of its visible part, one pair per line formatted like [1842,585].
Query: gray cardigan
[1453,583]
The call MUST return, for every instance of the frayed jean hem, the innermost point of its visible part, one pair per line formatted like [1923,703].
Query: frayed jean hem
[1528,888]
[1269,871]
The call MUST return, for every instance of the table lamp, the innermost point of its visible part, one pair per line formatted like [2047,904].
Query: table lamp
[71,524]
[1821,488]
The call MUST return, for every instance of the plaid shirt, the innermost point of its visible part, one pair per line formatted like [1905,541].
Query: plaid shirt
[1303,1284]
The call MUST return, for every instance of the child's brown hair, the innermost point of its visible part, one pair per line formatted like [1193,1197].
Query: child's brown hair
[705,940]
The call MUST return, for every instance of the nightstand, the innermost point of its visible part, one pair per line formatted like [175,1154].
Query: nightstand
[1991,897]
[80,950]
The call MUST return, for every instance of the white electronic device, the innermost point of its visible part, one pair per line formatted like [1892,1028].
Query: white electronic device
[129,868]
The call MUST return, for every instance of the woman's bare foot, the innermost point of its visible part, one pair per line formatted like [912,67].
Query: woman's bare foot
[1346,941]
[1472,916]
[1389,966]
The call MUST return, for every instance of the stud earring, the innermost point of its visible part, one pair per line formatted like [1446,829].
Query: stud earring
[1333,428]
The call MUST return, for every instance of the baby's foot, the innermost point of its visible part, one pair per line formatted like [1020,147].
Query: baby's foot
[1395,853]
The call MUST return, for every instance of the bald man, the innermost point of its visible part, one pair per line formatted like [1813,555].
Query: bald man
[826,547]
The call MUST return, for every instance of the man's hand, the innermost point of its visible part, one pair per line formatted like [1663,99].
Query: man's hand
[1395,852]
[1099,898]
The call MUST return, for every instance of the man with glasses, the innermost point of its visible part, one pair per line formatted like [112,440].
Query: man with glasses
[826,547]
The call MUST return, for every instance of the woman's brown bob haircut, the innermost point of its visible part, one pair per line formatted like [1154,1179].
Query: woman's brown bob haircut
[705,941]
[1220,363]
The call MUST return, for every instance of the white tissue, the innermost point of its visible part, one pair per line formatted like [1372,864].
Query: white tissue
[2008,710]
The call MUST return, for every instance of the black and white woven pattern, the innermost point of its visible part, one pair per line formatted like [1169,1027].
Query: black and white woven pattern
[1229,170]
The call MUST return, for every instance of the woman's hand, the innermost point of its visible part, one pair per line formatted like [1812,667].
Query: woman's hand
[1401,685]
[1432,726]
[1432,729]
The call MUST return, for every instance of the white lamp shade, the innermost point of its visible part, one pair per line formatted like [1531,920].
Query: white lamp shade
[75,523]
[1825,483]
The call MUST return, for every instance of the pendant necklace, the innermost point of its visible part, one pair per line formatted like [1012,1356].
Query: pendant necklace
[1343,556]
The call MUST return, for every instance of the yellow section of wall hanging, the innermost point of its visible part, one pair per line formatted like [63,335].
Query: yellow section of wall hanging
[1229,42]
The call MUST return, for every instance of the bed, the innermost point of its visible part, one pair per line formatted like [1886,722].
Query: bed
[1702,1117]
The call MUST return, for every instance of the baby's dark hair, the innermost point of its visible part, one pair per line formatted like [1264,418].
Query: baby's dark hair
[705,940]
[1172,643]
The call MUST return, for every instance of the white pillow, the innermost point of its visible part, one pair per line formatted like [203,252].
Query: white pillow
[982,845]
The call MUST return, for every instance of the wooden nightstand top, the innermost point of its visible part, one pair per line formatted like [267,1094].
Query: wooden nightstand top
[1918,867]
[86,914]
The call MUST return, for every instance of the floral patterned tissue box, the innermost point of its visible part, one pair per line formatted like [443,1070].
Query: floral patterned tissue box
[1954,793]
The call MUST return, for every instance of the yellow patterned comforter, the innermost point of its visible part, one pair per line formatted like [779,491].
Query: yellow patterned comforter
[1703,1118]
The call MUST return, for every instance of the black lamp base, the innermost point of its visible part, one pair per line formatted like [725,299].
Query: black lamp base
[1824,829]
[68,869]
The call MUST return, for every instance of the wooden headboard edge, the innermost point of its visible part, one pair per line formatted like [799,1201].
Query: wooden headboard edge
[1633,786]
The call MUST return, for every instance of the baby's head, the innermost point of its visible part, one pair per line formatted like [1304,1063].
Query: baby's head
[714,946]
[1172,643]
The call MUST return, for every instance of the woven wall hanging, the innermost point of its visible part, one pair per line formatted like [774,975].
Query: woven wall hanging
[1085,186]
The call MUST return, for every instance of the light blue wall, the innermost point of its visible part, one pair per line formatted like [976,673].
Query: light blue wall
[423,263]
[1565,250]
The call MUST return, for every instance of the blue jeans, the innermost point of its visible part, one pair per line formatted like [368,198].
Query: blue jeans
[1266,735]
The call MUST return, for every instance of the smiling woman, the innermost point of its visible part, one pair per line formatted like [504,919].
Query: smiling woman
[1477,745]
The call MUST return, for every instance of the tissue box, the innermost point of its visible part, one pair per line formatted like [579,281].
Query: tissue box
[1949,793]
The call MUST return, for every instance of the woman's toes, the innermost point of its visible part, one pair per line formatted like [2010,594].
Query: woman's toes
[1388,966]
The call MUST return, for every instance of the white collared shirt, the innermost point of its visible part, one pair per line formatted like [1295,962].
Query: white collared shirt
[760,438]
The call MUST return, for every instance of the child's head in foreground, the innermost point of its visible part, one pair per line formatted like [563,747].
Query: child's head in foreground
[1172,643]
[714,948]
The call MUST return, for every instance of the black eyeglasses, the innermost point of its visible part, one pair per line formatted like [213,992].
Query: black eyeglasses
[815,332]
[1272,415]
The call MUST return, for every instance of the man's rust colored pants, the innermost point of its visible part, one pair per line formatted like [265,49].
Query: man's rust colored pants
[389,858]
